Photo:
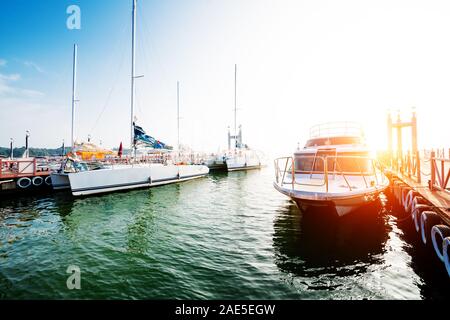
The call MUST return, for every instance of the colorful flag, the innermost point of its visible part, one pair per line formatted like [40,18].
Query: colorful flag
[141,137]
[119,153]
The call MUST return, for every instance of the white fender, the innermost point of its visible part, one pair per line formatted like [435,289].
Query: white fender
[438,234]
[417,203]
[416,214]
[446,249]
[405,192]
[48,180]
[427,220]
[37,181]
[24,183]
[399,190]
[407,202]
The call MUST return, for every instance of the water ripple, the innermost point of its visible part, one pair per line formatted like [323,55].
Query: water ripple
[227,236]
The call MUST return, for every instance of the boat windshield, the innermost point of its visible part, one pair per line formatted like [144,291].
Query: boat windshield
[75,166]
[331,141]
[341,163]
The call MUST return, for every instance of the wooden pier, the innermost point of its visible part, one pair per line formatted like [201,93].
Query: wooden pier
[23,174]
[420,183]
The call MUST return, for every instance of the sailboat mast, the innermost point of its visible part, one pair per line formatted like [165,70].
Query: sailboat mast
[178,116]
[235,105]
[74,88]
[133,67]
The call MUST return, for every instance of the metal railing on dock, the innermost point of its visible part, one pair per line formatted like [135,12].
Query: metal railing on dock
[431,168]
[420,184]
[16,168]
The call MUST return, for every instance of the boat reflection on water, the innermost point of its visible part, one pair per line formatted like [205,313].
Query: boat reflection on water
[309,244]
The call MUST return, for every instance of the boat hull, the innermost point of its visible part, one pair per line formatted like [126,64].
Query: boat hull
[60,181]
[243,167]
[217,165]
[340,205]
[132,177]
[237,163]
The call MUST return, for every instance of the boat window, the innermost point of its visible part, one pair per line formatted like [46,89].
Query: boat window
[330,141]
[347,163]
[350,164]
[81,166]
[75,166]
[305,162]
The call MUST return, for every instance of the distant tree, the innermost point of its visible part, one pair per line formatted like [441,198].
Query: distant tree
[34,152]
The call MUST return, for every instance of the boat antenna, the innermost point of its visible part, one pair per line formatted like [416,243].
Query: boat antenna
[235,105]
[133,75]
[74,88]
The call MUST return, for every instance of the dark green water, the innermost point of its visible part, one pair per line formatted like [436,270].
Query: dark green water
[227,236]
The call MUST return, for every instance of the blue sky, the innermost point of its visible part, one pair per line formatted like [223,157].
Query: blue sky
[299,63]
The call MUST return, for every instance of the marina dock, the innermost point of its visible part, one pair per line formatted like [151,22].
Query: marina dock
[23,174]
[420,184]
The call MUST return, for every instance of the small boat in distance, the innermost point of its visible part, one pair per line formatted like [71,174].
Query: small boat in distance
[241,157]
[334,170]
[238,156]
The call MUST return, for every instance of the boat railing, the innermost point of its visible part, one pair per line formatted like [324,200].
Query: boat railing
[286,171]
[342,128]
[163,159]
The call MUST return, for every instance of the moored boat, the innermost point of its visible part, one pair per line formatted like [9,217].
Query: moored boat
[84,179]
[239,156]
[334,170]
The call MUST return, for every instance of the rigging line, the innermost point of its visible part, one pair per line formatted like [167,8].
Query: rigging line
[137,105]
[139,99]
[110,91]
[142,50]
[158,60]
[141,31]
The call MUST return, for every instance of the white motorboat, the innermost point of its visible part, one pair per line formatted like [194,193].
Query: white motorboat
[334,170]
[84,179]
[243,159]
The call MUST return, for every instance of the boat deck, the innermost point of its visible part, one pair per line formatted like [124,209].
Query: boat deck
[314,184]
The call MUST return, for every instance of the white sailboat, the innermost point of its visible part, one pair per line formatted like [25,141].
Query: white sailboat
[60,177]
[115,177]
[240,156]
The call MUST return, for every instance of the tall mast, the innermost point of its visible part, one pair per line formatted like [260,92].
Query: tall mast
[235,105]
[133,65]
[74,88]
[178,116]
